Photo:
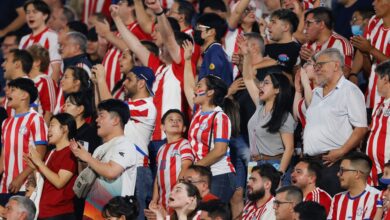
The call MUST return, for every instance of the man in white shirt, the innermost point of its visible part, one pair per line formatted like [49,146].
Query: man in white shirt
[115,162]
[336,119]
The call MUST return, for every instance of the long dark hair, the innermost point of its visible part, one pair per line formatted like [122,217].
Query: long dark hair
[229,106]
[192,191]
[86,85]
[66,119]
[82,99]
[282,104]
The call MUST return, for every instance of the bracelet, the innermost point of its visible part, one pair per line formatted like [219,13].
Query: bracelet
[160,13]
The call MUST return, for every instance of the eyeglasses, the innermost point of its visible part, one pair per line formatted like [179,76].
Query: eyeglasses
[277,203]
[182,180]
[318,65]
[343,170]
[309,22]
[202,28]
[355,19]
[249,9]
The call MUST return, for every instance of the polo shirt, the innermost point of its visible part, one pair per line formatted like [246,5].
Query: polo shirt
[331,119]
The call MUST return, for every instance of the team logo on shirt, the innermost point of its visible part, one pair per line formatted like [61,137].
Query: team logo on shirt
[359,211]
[212,66]
[387,113]
[175,153]
[203,126]
[22,130]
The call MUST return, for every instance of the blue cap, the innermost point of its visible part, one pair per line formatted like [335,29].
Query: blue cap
[385,181]
[145,73]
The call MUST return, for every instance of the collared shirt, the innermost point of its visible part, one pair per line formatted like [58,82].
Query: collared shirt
[331,119]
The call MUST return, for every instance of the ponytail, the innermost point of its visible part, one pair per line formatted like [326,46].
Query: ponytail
[232,109]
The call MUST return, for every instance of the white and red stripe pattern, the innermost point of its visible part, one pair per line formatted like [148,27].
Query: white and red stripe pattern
[319,196]
[94,6]
[378,144]
[199,137]
[47,93]
[363,206]
[60,102]
[169,159]
[264,212]
[111,59]
[18,133]
[231,47]
[168,89]
[379,36]
[140,127]
[335,41]
[47,39]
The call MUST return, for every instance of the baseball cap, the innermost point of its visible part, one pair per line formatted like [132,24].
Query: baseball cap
[145,73]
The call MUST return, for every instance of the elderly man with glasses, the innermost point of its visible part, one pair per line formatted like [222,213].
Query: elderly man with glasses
[335,119]
[359,201]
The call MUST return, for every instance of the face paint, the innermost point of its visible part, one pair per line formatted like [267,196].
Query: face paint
[200,92]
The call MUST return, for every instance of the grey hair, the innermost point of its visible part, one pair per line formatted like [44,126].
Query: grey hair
[79,39]
[332,53]
[258,38]
[68,13]
[25,205]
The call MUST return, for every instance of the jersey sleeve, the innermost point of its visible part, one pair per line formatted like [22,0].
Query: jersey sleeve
[153,62]
[356,108]
[69,162]
[222,128]
[186,152]
[39,130]
[55,56]
[47,96]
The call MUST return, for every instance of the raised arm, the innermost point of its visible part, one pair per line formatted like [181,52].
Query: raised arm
[189,80]
[235,15]
[165,30]
[103,30]
[248,71]
[143,19]
[132,42]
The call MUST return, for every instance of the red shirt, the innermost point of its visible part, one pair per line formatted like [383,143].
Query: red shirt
[208,197]
[58,201]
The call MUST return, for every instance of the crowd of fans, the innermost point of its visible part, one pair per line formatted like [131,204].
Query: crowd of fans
[195,109]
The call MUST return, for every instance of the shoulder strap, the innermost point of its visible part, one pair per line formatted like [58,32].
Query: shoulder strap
[211,130]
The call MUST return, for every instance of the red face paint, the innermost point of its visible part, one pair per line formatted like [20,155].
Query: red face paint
[200,92]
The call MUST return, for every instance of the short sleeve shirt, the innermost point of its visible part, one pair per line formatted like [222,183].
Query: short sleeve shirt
[263,142]
[330,119]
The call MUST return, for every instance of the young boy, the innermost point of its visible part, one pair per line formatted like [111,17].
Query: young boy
[173,158]
[25,128]
[37,15]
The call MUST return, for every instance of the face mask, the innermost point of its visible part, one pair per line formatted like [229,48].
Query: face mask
[198,37]
[357,30]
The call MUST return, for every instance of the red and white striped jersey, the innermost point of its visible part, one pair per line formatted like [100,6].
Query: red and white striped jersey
[335,41]
[47,93]
[111,59]
[307,4]
[363,206]
[168,89]
[119,94]
[169,159]
[140,127]
[60,102]
[231,47]
[319,196]
[378,144]
[379,36]
[167,3]
[18,132]
[47,39]
[93,6]
[302,112]
[199,137]
[264,212]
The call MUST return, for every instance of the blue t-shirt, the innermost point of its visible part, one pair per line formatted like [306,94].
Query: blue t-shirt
[216,62]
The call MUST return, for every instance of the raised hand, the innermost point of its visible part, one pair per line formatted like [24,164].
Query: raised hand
[114,9]
[154,5]
[243,44]
[188,49]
